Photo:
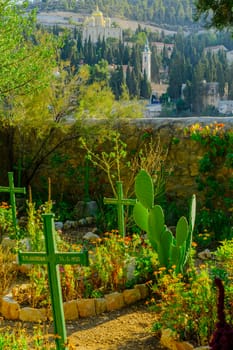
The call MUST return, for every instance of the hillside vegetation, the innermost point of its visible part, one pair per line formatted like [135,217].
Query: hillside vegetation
[167,13]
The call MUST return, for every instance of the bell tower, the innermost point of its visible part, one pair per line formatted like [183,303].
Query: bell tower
[146,61]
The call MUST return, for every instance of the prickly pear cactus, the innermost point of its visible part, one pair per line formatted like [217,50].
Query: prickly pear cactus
[150,218]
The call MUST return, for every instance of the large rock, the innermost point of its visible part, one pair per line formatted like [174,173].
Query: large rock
[85,209]
[168,340]
[91,237]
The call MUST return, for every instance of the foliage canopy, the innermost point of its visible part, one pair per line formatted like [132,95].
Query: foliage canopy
[217,13]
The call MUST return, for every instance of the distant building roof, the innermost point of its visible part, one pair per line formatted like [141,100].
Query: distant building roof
[160,46]
[215,49]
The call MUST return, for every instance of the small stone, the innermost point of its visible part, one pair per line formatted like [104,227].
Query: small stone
[114,301]
[10,308]
[69,224]
[30,314]
[100,306]
[205,254]
[82,222]
[131,296]
[144,290]
[70,310]
[86,307]
[90,236]
[168,339]
[184,346]
[90,220]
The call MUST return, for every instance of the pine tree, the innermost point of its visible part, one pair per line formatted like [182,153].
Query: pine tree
[176,76]
[155,66]
[135,84]
[145,87]
[128,80]
[117,81]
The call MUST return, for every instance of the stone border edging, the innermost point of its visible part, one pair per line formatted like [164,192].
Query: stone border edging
[74,309]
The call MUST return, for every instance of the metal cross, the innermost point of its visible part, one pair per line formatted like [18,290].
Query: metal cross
[13,190]
[53,258]
[120,201]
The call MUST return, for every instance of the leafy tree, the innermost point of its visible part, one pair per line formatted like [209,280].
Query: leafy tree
[23,51]
[100,72]
[41,116]
[216,13]
[27,64]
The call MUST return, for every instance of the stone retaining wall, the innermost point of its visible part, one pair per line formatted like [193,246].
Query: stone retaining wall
[183,158]
[11,309]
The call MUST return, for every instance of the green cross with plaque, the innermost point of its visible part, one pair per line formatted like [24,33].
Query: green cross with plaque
[120,201]
[52,258]
[13,190]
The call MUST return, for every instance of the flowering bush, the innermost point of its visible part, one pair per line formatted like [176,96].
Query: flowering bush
[186,304]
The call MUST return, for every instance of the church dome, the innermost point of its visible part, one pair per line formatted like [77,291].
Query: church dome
[99,18]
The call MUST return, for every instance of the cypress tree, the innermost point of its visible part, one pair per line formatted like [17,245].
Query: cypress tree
[145,88]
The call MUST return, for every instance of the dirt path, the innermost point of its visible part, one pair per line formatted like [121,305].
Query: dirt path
[127,329]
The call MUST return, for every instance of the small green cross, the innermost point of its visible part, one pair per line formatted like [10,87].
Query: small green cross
[53,258]
[13,190]
[85,172]
[120,201]
[19,169]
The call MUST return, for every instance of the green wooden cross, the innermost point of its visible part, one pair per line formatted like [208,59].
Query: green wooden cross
[85,171]
[19,169]
[13,190]
[53,258]
[120,201]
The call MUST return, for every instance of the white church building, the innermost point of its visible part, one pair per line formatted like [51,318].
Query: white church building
[97,26]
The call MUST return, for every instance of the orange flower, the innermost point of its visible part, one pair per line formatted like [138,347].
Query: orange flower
[162,268]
